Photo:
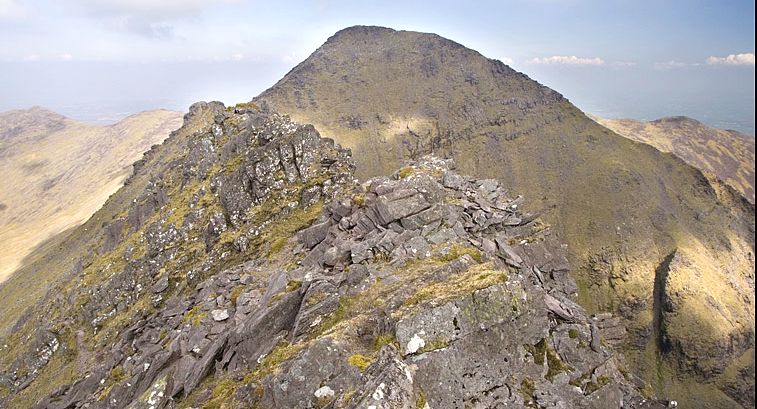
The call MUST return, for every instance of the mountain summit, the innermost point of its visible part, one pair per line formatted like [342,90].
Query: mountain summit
[485,244]
[624,208]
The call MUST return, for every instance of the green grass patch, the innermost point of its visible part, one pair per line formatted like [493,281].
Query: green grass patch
[457,251]
[359,200]
[434,344]
[361,362]
[592,387]
[421,402]
[476,278]
[293,285]
[385,339]
[271,364]
[195,315]
[527,389]
[235,293]
[405,172]
[542,354]
[250,104]
[222,395]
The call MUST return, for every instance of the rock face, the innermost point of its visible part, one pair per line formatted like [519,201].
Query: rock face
[621,206]
[253,271]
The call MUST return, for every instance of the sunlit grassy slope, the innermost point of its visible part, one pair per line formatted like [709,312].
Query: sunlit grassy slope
[57,172]
[729,155]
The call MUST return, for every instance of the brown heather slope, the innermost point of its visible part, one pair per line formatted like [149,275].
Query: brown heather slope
[727,154]
[65,255]
[57,172]
[649,236]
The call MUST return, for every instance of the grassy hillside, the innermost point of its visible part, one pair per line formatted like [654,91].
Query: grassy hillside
[620,206]
[729,155]
[248,272]
[57,172]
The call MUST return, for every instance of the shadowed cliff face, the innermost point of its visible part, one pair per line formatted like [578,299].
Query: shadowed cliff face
[622,207]
[726,154]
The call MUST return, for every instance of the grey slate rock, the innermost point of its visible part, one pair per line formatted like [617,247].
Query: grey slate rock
[204,364]
[507,252]
[160,286]
[468,345]
[390,210]
[314,234]
[219,315]
[423,218]
[452,180]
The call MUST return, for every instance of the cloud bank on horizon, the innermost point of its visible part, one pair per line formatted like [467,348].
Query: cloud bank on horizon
[569,60]
[733,59]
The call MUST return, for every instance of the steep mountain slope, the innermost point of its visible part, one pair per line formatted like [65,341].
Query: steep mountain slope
[57,172]
[623,208]
[729,155]
[243,266]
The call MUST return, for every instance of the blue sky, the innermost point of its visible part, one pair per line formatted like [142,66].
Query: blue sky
[642,59]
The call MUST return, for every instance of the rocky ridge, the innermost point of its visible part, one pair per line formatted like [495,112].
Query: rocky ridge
[622,207]
[254,271]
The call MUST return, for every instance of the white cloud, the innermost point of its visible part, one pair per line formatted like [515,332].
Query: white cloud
[732,59]
[66,57]
[32,57]
[138,25]
[672,64]
[567,60]
[10,9]
[237,57]
[152,7]
[623,64]
[507,60]
[149,18]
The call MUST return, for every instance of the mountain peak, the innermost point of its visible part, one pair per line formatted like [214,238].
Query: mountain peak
[392,95]
[34,117]
[729,155]
[360,30]
[405,80]
[678,119]
[35,110]
[379,33]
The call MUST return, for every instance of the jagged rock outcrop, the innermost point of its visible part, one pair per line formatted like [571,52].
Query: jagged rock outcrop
[621,206]
[182,228]
[255,272]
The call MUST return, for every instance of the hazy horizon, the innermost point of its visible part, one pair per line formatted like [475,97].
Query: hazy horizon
[99,61]
[175,86]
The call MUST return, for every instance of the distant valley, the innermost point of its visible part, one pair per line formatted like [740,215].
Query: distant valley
[726,154]
[57,172]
